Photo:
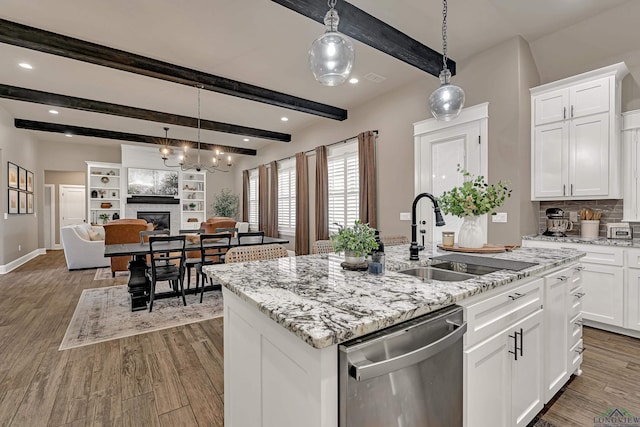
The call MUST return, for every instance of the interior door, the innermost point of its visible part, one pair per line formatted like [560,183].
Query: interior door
[72,205]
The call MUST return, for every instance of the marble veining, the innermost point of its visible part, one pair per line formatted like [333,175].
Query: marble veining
[603,241]
[322,304]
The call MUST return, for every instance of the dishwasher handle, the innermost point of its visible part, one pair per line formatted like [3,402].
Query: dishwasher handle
[366,369]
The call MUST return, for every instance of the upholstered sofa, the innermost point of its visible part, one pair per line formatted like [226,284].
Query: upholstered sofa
[83,246]
[123,231]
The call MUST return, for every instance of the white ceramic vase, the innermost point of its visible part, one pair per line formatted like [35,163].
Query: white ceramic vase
[470,234]
[350,257]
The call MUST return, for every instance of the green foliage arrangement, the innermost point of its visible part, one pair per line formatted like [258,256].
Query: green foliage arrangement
[475,197]
[360,239]
[226,204]
[104,217]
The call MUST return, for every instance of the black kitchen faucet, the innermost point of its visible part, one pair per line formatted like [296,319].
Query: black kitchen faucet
[413,250]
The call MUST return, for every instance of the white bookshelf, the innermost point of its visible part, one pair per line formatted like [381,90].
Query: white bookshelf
[104,187]
[193,199]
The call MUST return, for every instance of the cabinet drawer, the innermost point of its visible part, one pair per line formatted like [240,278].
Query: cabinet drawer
[495,313]
[598,254]
[575,301]
[633,258]
[575,356]
[575,330]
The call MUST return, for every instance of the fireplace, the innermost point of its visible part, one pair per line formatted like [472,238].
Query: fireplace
[160,220]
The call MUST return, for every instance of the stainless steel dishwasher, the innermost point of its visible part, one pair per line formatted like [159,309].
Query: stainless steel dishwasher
[408,375]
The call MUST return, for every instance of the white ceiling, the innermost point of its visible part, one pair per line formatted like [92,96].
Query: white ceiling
[253,41]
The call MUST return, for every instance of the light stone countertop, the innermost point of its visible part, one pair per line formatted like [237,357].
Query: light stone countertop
[322,304]
[603,241]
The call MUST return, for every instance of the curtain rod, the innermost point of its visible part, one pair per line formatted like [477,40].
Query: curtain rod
[312,151]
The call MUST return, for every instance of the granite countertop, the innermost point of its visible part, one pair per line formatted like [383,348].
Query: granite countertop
[603,241]
[322,304]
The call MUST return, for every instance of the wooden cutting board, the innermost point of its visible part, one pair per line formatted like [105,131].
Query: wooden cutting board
[486,249]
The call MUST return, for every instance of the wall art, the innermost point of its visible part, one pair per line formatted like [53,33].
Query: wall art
[12,176]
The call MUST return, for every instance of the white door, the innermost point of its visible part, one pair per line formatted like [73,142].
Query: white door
[72,205]
[439,148]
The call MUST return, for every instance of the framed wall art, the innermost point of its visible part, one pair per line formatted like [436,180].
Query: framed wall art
[22,202]
[13,201]
[29,182]
[29,203]
[12,175]
[22,178]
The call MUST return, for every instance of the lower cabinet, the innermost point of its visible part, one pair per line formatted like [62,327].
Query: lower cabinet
[633,290]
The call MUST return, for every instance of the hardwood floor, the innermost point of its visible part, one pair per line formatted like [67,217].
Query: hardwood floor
[171,377]
[174,377]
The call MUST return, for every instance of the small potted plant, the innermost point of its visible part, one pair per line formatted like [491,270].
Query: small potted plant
[473,198]
[192,206]
[104,217]
[226,204]
[355,242]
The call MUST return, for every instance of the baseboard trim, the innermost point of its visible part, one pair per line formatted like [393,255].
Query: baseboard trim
[6,268]
[611,328]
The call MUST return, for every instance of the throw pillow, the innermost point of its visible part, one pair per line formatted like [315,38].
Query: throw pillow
[100,230]
[94,235]
[82,231]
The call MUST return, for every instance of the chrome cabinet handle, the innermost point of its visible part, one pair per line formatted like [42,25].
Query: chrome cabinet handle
[564,112]
[579,294]
[564,189]
[578,323]
[579,268]
[516,296]
[571,193]
[580,350]
[572,111]
[366,369]
[563,278]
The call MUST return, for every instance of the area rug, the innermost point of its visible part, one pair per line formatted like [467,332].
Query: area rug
[104,273]
[104,314]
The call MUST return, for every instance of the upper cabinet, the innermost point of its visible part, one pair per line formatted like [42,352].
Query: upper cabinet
[575,145]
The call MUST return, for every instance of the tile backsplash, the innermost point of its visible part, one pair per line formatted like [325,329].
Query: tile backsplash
[611,212]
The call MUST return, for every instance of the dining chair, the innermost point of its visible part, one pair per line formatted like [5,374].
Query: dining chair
[192,258]
[322,247]
[166,266]
[251,238]
[232,230]
[255,253]
[210,255]
[144,235]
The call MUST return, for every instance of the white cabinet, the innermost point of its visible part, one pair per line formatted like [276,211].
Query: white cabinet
[575,143]
[193,190]
[633,289]
[104,181]
[631,156]
[503,356]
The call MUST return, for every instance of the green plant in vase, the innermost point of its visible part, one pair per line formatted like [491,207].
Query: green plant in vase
[473,198]
[355,242]
[226,204]
[104,217]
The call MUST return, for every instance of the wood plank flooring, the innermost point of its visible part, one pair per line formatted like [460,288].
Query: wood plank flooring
[174,377]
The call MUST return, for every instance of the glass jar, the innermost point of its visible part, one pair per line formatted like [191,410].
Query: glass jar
[448,238]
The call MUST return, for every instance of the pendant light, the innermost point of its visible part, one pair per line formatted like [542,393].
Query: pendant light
[331,55]
[447,101]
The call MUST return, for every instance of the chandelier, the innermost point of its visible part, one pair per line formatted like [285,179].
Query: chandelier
[188,162]
[331,55]
[447,101]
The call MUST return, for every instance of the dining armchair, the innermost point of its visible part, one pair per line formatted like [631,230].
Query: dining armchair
[166,266]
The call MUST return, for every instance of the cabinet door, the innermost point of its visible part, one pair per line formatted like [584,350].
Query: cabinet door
[551,107]
[487,395]
[589,98]
[630,174]
[550,160]
[556,341]
[526,380]
[604,288]
[633,299]
[589,156]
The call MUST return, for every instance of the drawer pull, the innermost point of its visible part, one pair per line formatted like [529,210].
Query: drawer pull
[580,350]
[578,323]
[563,278]
[579,294]
[516,296]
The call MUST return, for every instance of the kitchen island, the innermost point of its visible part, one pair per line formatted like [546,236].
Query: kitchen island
[284,320]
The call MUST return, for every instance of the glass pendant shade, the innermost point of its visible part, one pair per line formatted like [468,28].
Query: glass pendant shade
[331,55]
[447,101]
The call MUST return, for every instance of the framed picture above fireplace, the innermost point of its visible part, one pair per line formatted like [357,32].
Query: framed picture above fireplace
[152,182]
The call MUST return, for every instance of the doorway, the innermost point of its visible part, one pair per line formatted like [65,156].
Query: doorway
[50,217]
[72,204]
[439,148]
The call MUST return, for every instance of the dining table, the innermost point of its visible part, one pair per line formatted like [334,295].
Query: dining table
[139,285]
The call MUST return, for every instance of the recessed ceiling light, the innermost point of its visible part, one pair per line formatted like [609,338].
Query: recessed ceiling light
[246,139]
[25,65]
[284,119]
[68,135]
[54,111]
[353,80]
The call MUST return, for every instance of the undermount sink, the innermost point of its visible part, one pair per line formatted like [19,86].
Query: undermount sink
[462,267]
[431,273]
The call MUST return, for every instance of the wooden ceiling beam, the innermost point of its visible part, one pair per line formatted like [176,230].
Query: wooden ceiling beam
[57,44]
[124,136]
[371,31]
[57,100]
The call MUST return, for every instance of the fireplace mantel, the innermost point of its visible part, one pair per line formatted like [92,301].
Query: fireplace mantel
[153,200]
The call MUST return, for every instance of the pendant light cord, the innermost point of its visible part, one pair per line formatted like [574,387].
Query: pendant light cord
[199,86]
[444,34]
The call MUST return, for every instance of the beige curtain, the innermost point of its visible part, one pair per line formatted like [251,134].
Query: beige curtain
[322,194]
[367,169]
[302,205]
[263,199]
[245,195]
[273,201]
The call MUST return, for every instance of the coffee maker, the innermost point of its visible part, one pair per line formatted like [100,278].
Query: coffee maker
[556,223]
